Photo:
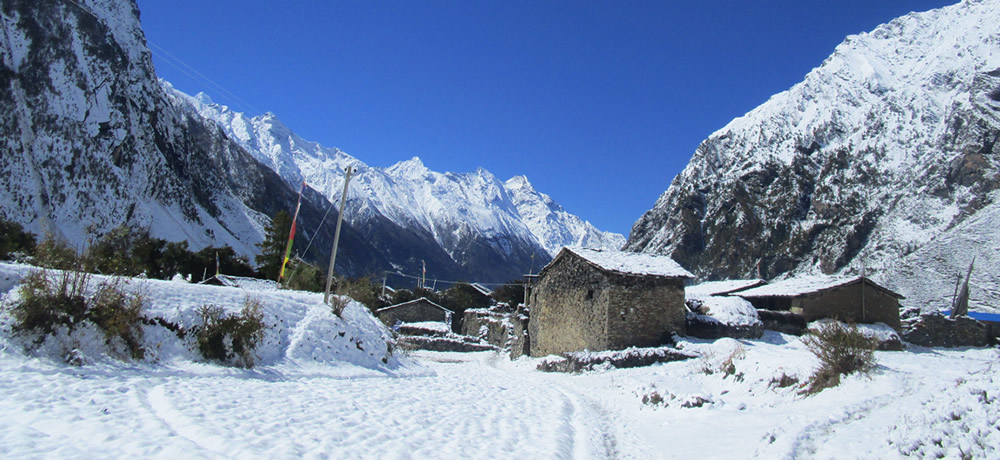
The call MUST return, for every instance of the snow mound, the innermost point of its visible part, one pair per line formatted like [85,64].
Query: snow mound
[302,333]
[732,311]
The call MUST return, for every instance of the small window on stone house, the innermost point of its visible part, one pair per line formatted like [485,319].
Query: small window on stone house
[590,294]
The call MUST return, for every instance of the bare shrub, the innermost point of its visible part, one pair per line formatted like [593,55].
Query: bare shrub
[56,253]
[49,301]
[728,366]
[783,381]
[119,314]
[231,339]
[841,351]
[338,303]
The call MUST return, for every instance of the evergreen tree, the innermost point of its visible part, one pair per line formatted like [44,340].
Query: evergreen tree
[272,249]
[13,238]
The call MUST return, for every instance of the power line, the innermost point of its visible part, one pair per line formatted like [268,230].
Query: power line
[398,273]
[195,74]
[186,69]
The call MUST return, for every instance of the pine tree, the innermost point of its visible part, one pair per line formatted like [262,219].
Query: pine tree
[272,249]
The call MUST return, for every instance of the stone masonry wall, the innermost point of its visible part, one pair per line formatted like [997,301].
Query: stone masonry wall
[644,311]
[576,307]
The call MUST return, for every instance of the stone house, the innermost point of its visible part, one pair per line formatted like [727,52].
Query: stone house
[414,311]
[589,299]
[857,299]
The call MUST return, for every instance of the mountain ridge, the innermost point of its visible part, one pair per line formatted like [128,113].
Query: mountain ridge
[485,205]
[886,147]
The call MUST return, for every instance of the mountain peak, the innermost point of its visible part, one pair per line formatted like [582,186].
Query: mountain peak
[413,167]
[518,182]
[203,98]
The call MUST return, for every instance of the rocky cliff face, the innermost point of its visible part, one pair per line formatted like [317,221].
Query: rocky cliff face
[90,141]
[884,157]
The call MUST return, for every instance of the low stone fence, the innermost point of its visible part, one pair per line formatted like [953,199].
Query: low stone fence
[580,361]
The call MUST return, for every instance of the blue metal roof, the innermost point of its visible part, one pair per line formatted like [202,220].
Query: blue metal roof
[991,317]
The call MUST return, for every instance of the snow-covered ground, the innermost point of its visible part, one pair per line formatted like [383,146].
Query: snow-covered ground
[326,400]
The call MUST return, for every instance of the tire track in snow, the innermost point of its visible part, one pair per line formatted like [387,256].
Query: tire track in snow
[183,426]
[586,422]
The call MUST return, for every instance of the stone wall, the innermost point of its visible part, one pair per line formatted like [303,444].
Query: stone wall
[785,322]
[644,311]
[935,330]
[576,306]
[521,343]
[492,325]
[704,327]
[568,312]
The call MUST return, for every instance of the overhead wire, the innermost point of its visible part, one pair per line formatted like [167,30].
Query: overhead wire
[182,66]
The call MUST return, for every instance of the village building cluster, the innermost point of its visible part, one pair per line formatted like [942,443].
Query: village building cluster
[595,300]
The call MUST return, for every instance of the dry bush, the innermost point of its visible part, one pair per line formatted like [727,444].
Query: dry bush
[338,303]
[48,301]
[119,314]
[57,254]
[841,351]
[231,339]
[783,381]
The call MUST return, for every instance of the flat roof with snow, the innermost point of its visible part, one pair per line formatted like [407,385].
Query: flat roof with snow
[631,263]
[714,288]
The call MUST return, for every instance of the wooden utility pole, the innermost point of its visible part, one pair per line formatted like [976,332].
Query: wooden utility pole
[348,171]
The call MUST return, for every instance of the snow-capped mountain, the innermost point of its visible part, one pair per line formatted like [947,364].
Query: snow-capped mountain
[101,142]
[473,217]
[90,141]
[552,225]
[883,159]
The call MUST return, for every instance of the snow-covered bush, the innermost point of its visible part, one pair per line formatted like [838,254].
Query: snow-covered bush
[119,314]
[232,338]
[48,302]
[841,351]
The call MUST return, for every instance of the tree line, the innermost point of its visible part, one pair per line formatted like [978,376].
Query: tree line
[125,251]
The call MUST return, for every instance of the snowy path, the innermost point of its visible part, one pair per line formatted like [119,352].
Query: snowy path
[469,409]
[481,405]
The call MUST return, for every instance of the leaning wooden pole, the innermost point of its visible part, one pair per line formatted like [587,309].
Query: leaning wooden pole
[348,171]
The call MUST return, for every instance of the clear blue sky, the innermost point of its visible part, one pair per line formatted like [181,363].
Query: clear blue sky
[599,103]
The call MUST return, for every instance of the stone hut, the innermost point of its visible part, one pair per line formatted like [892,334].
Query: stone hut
[414,311]
[589,299]
[857,299]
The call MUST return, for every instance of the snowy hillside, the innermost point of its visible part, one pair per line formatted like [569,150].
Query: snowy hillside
[301,332]
[95,143]
[322,389]
[450,207]
[100,145]
[885,153]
